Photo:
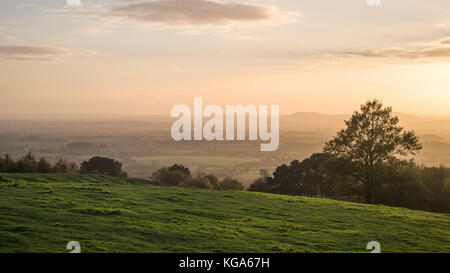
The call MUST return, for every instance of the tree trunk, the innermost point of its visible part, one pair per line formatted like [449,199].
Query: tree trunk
[368,197]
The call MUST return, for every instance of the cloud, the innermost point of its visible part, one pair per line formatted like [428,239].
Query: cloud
[432,50]
[31,53]
[196,13]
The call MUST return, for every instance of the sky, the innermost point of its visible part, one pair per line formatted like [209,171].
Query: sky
[137,57]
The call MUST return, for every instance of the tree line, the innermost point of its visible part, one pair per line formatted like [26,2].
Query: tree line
[370,161]
[29,164]
[175,175]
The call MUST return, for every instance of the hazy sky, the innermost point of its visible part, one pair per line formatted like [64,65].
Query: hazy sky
[144,57]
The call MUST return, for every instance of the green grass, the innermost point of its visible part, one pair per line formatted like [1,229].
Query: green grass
[219,161]
[42,213]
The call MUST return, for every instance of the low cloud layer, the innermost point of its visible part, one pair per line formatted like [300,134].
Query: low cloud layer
[31,53]
[432,50]
[194,12]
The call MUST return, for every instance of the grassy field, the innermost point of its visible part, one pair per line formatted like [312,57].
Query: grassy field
[42,213]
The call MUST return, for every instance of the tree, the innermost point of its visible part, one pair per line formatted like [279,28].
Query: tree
[373,137]
[27,164]
[263,184]
[285,181]
[62,166]
[402,186]
[43,166]
[29,156]
[181,168]
[339,179]
[213,180]
[102,165]
[9,164]
[310,175]
[175,178]
[434,180]
[2,164]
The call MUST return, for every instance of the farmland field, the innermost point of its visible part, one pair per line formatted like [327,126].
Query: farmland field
[219,161]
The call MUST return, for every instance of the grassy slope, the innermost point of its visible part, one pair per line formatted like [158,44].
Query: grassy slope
[41,213]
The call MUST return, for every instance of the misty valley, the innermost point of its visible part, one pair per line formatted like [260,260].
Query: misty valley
[144,144]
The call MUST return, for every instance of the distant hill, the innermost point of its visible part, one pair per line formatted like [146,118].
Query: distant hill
[301,121]
[314,121]
[43,212]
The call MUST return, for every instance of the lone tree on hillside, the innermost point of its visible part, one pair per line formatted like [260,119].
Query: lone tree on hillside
[373,137]
[102,165]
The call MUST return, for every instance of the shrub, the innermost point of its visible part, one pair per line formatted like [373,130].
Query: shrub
[181,168]
[103,165]
[230,184]
[260,185]
[174,177]
[199,182]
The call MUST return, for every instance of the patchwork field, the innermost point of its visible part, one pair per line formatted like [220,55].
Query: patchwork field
[42,213]
[219,161]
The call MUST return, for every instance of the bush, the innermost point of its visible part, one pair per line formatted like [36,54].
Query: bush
[179,175]
[181,168]
[174,177]
[230,184]
[103,165]
[260,185]
[199,183]
[213,180]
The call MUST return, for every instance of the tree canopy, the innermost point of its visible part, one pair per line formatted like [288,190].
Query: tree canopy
[372,137]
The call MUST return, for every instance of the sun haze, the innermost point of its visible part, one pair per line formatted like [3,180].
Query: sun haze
[144,57]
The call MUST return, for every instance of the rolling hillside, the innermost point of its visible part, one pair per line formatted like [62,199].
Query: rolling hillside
[42,213]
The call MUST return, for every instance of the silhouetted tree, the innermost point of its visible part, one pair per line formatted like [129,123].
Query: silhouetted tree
[401,186]
[434,179]
[43,166]
[263,184]
[339,179]
[310,175]
[285,181]
[181,168]
[62,166]
[9,164]
[102,165]
[372,138]
[27,164]
[175,177]
[2,164]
